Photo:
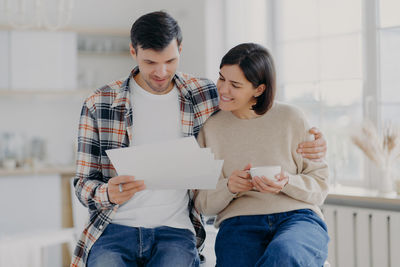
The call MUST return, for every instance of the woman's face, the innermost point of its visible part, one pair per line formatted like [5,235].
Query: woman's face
[236,93]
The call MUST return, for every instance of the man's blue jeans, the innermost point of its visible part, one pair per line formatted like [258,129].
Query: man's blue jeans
[130,246]
[295,238]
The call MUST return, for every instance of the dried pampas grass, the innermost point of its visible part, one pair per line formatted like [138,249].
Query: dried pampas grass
[382,149]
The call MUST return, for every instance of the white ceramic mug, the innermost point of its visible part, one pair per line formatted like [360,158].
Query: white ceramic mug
[267,171]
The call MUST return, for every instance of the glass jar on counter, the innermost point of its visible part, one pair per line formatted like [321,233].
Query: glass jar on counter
[11,150]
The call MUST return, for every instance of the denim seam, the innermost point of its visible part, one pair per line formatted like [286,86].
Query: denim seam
[140,243]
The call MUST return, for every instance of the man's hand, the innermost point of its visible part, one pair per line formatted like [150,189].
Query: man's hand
[314,150]
[127,184]
[240,180]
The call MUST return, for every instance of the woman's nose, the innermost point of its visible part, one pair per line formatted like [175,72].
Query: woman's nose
[222,87]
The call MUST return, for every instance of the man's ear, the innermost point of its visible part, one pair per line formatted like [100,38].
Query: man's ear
[132,51]
[259,90]
[180,48]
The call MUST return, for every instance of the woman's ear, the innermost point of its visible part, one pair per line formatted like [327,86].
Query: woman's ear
[259,90]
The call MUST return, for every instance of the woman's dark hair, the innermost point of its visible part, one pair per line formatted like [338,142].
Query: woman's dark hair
[155,31]
[258,67]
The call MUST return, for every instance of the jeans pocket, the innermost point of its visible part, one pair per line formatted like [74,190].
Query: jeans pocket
[229,221]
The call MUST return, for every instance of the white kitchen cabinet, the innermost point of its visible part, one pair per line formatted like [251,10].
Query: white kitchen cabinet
[4,59]
[42,60]
[41,88]
[33,204]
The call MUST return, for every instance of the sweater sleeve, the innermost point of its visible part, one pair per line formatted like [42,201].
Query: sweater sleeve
[212,202]
[310,183]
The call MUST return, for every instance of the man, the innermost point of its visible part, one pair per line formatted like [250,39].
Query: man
[131,226]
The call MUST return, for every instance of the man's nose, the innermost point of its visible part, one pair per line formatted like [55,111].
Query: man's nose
[161,71]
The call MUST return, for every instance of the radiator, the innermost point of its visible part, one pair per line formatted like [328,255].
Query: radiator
[362,237]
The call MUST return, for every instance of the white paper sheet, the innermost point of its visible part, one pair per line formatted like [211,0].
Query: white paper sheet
[176,164]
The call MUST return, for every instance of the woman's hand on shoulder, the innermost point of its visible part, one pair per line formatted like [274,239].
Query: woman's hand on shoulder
[271,185]
[240,180]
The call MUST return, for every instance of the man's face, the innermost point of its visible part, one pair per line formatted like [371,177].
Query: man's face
[157,68]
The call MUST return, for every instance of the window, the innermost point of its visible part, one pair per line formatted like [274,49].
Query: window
[389,34]
[389,63]
[318,52]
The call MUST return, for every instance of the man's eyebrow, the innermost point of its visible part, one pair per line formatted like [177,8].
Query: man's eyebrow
[172,59]
[169,60]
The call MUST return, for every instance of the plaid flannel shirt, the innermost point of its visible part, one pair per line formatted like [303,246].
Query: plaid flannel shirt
[106,123]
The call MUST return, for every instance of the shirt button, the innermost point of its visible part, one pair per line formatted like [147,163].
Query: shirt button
[101,227]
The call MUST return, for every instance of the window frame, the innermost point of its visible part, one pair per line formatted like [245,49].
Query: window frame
[371,86]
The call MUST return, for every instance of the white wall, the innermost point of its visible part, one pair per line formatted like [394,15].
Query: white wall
[215,36]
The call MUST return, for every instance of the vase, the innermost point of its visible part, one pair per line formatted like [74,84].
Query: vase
[386,183]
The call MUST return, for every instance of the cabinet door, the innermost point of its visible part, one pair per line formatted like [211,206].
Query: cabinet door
[43,60]
[4,60]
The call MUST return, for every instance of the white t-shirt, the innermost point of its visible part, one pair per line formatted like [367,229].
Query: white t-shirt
[156,118]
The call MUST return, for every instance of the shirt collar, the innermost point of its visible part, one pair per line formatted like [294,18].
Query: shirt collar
[123,96]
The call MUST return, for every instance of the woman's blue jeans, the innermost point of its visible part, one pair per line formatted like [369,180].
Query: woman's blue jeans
[295,238]
[121,246]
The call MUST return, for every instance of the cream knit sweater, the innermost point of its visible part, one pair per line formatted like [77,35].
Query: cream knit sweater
[270,139]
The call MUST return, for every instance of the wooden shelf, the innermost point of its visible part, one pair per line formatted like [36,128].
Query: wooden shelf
[31,92]
[104,53]
[80,30]
[62,170]
[101,31]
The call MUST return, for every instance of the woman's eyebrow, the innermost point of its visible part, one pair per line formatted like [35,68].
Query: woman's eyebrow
[238,83]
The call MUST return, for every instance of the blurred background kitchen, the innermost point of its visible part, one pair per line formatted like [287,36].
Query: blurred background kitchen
[336,59]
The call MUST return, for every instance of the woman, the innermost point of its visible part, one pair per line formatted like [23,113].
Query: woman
[262,221]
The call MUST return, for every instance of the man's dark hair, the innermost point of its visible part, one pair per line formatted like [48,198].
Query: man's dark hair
[258,67]
[155,31]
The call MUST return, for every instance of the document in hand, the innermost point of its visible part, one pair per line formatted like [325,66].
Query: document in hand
[175,164]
